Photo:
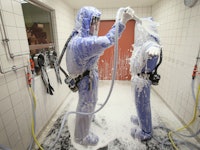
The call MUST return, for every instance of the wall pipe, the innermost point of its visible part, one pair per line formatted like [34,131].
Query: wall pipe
[6,40]
[13,68]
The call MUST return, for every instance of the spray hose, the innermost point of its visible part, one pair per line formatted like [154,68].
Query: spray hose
[186,126]
[33,120]
[31,85]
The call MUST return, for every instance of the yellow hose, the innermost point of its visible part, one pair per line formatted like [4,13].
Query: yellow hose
[186,126]
[32,122]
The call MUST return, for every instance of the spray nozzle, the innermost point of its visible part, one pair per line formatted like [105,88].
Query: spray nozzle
[130,11]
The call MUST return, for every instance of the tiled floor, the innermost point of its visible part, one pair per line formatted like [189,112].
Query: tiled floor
[112,123]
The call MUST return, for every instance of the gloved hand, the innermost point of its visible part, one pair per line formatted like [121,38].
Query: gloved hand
[153,51]
[127,15]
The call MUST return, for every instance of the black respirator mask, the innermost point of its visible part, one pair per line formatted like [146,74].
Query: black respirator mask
[154,76]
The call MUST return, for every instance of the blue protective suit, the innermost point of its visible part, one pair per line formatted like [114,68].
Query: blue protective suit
[142,63]
[82,54]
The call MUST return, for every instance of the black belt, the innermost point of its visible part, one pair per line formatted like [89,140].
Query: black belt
[72,82]
[78,79]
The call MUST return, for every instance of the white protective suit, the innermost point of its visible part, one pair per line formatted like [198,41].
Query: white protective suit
[143,61]
[82,55]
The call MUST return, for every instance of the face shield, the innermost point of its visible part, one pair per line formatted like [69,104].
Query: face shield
[94,26]
[86,19]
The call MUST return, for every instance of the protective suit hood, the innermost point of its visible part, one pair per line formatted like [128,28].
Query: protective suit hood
[84,18]
[148,28]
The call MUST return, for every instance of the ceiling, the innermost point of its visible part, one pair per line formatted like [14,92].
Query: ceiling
[76,4]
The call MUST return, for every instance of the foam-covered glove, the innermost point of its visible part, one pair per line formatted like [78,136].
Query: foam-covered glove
[127,15]
[153,51]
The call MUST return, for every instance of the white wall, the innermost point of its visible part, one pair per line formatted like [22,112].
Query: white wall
[110,14]
[15,102]
[180,36]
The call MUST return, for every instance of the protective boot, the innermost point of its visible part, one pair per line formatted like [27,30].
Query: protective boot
[90,140]
[134,120]
[82,134]
[142,101]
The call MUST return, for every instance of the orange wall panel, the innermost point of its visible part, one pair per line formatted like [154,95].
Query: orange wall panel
[125,47]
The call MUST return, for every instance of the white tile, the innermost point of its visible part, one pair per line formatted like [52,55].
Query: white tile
[2,79]
[11,128]
[8,117]
[12,33]
[1,124]
[4,91]
[17,8]
[15,98]
[7,5]
[19,21]
[20,146]
[24,45]
[12,86]
[19,61]
[25,97]
[24,129]
[22,33]
[10,76]
[6,65]
[14,139]
[4,138]
[26,140]
[22,123]
[194,10]
[20,73]
[18,109]
[9,19]
[2,48]
[22,83]
[5,105]
[15,46]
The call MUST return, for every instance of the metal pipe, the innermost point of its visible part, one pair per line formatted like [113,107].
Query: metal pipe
[21,54]
[13,68]
[6,40]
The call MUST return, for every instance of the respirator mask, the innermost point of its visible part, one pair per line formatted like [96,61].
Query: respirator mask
[154,77]
[72,84]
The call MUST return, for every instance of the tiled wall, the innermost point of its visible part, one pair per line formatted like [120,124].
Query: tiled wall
[180,37]
[15,101]
[110,14]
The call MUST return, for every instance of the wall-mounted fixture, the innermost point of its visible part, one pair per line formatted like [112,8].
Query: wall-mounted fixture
[6,40]
[190,3]
[13,68]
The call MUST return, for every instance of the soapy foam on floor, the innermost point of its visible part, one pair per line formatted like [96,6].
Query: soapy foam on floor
[112,124]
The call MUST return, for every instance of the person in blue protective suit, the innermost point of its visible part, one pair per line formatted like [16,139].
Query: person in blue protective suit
[83,52]
[143,61]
